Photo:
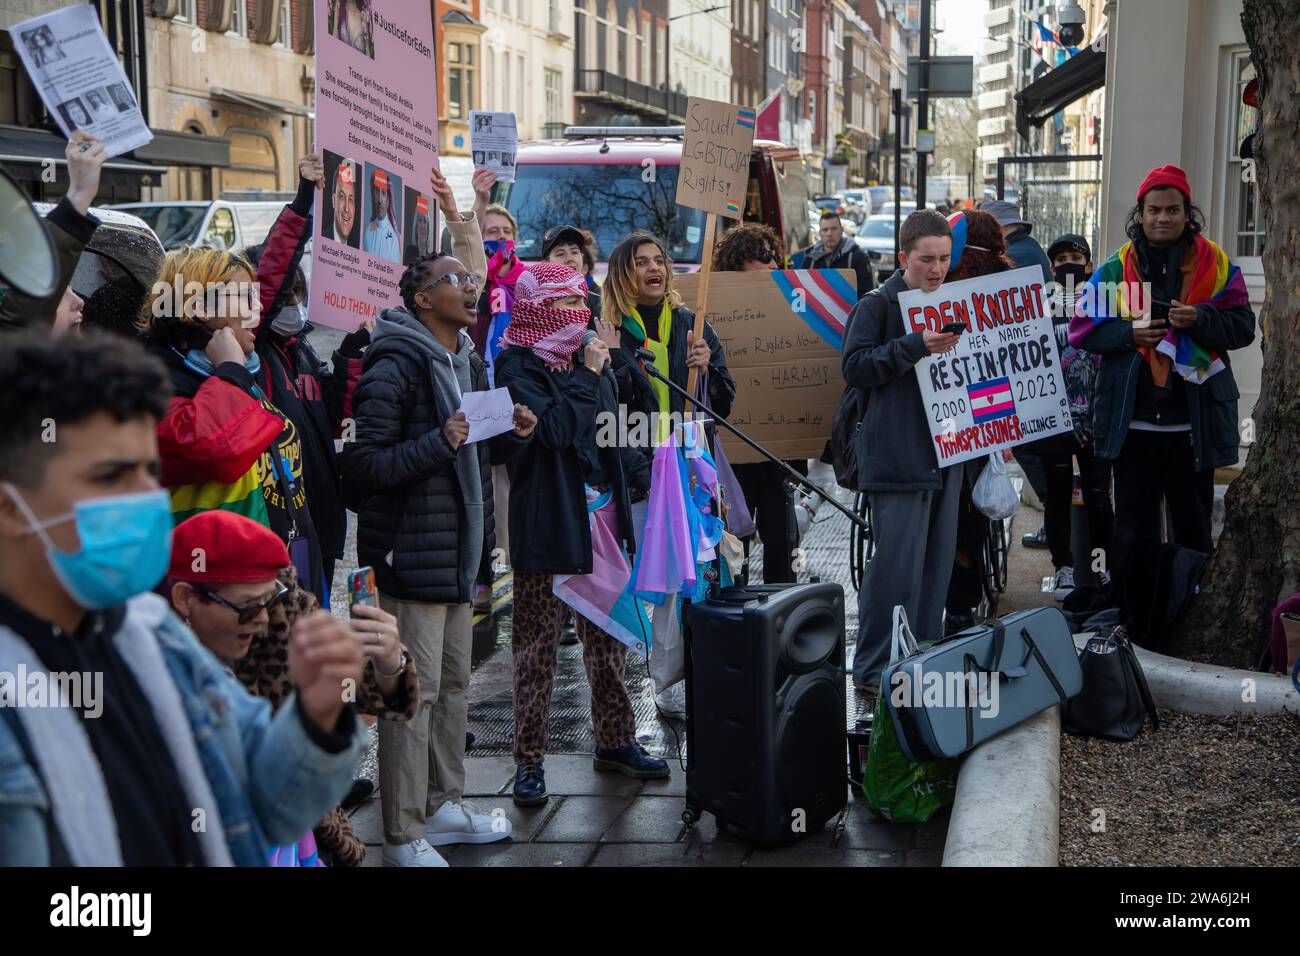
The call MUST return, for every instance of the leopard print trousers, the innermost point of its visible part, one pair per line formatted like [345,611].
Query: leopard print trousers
[535,640]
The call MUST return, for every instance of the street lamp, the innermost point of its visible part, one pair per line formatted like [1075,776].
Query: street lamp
[668,52]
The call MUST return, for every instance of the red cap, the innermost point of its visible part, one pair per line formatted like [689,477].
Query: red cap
[1163,178]
[221,547]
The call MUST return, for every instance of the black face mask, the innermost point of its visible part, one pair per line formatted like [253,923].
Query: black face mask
[1066,270]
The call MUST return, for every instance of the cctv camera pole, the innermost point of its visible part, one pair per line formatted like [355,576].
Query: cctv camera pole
[923,101]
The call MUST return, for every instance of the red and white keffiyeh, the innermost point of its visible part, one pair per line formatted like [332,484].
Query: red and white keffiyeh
[552,334]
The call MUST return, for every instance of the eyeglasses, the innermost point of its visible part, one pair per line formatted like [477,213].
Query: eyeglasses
[247,613]
[458,280]
[764,257]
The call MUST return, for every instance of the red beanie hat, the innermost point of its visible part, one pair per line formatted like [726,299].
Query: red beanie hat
[221,547]
[1163,178]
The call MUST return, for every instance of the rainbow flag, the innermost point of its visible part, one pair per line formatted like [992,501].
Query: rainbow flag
[733,207]
[1208,278]
[821,297]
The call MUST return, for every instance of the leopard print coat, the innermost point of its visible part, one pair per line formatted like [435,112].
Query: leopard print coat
[264,671]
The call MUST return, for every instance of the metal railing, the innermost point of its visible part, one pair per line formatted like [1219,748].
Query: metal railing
[604,83]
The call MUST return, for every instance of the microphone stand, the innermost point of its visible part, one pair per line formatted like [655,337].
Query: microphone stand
[793,476]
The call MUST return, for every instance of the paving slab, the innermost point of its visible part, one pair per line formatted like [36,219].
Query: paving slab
[582,819]
[800,854]
[863,831]
[648,820]
[667,854]
[522,854]
[488,776]
[367,823]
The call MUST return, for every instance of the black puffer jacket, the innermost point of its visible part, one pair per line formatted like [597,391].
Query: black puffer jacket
[400,472]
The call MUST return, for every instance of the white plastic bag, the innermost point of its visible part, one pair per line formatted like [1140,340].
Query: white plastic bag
[993,494]
[667,651]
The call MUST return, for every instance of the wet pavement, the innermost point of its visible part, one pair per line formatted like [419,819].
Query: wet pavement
[604,819]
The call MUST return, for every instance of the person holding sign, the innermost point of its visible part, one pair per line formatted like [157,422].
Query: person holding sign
[424,521]
[641,309]
[1165,403]
[913,501]
[571,527]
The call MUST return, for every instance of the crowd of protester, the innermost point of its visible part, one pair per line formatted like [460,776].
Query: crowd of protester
[181,532]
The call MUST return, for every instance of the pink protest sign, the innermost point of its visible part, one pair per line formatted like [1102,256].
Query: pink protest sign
[376,116]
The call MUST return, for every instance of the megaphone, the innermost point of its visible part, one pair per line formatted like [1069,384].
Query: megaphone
[28,262]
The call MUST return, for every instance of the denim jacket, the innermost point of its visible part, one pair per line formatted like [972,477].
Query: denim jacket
[258,779]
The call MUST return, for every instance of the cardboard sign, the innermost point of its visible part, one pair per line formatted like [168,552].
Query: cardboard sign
[377,129]
[1002,385]
[782,332]
[715,157]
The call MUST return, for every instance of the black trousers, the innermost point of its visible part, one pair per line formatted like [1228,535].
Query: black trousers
[1058,464]
[1152,465]
[763,485]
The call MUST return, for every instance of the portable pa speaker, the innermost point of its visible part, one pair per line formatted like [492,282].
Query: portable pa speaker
[766,709]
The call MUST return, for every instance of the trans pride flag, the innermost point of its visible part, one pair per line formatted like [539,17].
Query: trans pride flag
[1208,277]
[821,297]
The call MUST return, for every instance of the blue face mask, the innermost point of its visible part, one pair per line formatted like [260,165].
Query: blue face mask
[125,546]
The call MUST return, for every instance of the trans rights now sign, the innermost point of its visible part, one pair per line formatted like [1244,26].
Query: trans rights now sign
[1002,384]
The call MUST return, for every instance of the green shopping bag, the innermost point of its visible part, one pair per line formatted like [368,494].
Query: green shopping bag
[895,787]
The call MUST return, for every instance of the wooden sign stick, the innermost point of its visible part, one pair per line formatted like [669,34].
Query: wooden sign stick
[706,269]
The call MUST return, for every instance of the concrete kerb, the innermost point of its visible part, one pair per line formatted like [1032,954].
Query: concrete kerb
[1007,808]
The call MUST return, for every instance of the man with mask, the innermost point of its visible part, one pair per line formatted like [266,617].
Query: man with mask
[154,735]
[1071,259]
[381,237]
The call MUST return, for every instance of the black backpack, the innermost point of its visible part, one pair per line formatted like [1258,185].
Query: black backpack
[842,447]
[1159,582]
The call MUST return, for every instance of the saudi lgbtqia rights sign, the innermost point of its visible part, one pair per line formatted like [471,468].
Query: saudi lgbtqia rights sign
[376,111]
[1002,384]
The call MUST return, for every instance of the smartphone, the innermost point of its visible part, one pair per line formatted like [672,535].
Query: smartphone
[954,328]
[361,588]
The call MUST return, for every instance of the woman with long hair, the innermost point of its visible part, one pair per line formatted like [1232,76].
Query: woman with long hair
[641,309]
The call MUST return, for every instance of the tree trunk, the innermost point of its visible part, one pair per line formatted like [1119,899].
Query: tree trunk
[1257,562]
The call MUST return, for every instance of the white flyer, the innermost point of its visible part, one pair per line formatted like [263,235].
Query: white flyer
[489,413]
[77,74]
[494,142]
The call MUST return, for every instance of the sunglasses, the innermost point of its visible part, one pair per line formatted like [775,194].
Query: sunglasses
[247,613]
[764,257]
[458,280]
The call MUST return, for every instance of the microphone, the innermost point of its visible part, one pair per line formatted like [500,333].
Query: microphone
[587,338]
[645,355]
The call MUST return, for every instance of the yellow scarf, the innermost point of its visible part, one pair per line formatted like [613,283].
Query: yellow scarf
[659,348]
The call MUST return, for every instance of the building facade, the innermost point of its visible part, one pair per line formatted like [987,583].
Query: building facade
[700,46]
[621,64]
[786,42]
[528,63]
[458,31]
[748,69]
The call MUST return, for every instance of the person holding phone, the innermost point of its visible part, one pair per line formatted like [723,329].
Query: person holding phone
[913,501]
[1165,402]
[243,603]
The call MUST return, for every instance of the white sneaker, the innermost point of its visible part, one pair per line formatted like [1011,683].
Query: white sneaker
[672,699]
[457,823]
[415,853]
[1063,583]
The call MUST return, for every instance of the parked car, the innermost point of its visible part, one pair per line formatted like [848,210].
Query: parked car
[616,180]
[879,196]
[876,239]
[222,223]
